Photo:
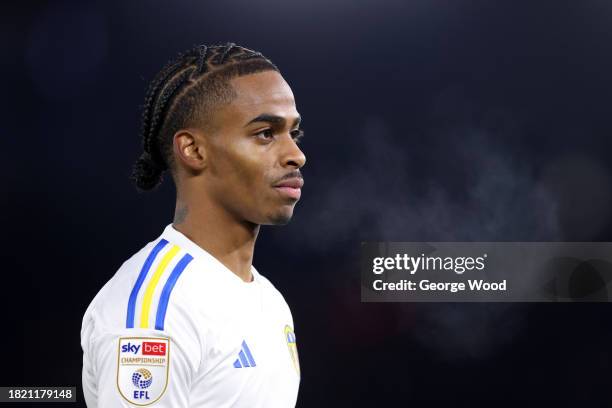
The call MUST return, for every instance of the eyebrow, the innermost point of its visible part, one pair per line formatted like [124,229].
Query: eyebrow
[274,119]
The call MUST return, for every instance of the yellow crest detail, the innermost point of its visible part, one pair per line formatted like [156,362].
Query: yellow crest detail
[292,345]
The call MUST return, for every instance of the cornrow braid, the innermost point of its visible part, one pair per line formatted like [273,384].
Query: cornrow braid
[201,58]
[250,55]
[180,94]
[161,108]
[167,72]
[225,53]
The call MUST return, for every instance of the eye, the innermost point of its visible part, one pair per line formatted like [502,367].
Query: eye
[265,134]
[297,135]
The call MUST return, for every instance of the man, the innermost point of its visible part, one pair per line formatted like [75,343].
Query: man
[187,321]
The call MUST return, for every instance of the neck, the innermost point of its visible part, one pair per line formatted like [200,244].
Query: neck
[216,231]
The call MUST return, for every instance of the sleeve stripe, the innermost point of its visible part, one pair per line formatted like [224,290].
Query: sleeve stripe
[148,296]
[141,277]
[167,290]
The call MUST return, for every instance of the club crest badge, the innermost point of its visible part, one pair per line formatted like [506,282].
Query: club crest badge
[142,369]
[292,345]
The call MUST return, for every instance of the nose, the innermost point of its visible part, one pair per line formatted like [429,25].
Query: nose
[292,155]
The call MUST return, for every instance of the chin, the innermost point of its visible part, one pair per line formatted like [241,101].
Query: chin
[281,217]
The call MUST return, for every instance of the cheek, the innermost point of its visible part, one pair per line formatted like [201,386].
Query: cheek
[246,169]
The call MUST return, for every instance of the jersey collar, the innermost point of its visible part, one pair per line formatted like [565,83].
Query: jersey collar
[171,234]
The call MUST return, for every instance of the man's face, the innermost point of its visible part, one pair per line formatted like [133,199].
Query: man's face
[253,160]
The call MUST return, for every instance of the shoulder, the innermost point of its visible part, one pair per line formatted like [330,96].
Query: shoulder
[266,283]
[275,296]
[146,298]
[141,292]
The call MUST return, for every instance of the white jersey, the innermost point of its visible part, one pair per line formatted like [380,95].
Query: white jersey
[175,328]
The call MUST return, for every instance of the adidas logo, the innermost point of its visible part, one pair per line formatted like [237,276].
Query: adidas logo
[245,358]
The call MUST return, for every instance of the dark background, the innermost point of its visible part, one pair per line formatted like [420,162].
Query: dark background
[425,120]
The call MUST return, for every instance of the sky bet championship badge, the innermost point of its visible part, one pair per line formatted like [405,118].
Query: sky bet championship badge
[290,337]
[142,371]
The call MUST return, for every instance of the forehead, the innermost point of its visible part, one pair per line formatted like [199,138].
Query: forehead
[263,92]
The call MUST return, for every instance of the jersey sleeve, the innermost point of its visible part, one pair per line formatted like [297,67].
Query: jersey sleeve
[140,366]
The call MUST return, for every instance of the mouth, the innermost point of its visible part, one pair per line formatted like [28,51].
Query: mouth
[291,188]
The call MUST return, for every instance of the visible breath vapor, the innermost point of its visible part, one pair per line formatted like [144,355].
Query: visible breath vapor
[382,198]
[469,187]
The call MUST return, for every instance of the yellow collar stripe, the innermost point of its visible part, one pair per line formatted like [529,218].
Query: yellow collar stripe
[148,296]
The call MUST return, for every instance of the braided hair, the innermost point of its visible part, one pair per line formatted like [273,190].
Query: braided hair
[181,95]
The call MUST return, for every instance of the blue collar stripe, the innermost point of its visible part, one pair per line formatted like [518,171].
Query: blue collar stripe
[141,277]
[167,290]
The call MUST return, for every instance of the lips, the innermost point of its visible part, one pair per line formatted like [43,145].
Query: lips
[291,188]
[292,183]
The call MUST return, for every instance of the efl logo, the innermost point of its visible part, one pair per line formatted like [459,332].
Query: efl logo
[153,349]
[147,384]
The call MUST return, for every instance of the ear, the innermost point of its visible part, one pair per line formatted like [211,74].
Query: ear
[189,147]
